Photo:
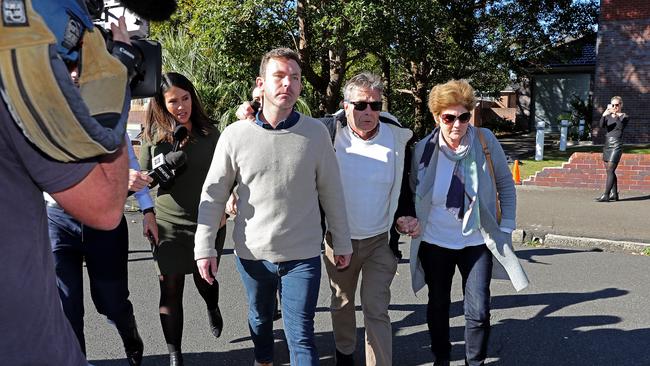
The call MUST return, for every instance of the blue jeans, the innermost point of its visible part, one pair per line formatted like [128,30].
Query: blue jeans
[299,282]
[106,257]
[475,265]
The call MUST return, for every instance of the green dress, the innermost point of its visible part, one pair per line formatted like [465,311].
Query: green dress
[177,206]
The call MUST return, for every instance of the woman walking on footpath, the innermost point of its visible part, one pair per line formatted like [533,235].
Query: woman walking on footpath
[459,177]
[177,203]
[614,122]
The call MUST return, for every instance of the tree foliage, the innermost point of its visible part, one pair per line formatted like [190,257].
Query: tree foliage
[413,44]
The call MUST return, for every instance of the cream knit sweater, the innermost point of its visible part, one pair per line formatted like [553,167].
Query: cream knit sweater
[281,176]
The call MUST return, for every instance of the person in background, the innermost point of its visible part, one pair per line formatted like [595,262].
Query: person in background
[177,204]
[458,173]
[281,177]
[614,122]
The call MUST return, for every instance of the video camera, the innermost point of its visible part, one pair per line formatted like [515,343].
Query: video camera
[40,39]
[147,76]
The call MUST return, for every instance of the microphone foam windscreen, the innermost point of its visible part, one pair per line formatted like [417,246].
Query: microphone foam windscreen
[156,10]
[180,132]
[176,159]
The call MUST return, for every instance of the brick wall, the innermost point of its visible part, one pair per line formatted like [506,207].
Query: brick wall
[612,10]
[137,116]
[623,65]
[587,170]
[505,113]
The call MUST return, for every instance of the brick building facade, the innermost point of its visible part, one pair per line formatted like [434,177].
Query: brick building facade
[623,65]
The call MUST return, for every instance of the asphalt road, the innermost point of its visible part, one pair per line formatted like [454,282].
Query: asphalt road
[582,308]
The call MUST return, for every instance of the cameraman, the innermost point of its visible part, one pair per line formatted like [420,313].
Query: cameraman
[105,254]
[34,328]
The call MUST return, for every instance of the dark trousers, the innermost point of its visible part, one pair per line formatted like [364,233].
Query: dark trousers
[106,257]
[475,265]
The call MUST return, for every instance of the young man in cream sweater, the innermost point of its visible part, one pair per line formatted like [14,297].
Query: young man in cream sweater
[284,166]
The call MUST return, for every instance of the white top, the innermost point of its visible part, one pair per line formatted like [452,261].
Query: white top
[443,228]
[367,173]
[48,198]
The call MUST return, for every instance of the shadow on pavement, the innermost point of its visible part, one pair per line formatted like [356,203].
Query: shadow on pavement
[150,258]
[542,340]
[550,339]
[530,255]
[547,338]
[637,198]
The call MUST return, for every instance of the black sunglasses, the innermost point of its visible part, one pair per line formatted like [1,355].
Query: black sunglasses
[451,118]
[361,106]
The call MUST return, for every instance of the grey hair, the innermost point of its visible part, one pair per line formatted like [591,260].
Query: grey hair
[364,80]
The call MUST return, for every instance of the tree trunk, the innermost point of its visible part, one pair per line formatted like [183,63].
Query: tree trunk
[386,77]
[319,83]
[338,58]
[337,72]
[421,122]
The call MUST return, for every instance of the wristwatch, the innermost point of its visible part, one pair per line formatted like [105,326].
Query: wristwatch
[147,210]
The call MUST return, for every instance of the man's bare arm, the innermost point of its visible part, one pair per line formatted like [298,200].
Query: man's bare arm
[98,200]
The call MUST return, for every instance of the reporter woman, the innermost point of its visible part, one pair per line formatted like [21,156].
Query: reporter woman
[456,173]
[177,203]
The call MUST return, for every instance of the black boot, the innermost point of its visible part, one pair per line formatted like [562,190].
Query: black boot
[216,321]
[133,346]
[344,360]
[176,358]
[603,198]
[613,196]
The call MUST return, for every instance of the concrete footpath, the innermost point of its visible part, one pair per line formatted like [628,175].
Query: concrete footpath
[571,217]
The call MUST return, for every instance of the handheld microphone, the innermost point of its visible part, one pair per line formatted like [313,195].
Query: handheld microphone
[163,168]
[180,133]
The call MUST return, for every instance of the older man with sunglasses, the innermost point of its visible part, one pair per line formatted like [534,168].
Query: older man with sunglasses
[371,158]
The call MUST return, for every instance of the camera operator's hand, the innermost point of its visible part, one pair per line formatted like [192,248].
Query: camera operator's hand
[120,32]
[122,49]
